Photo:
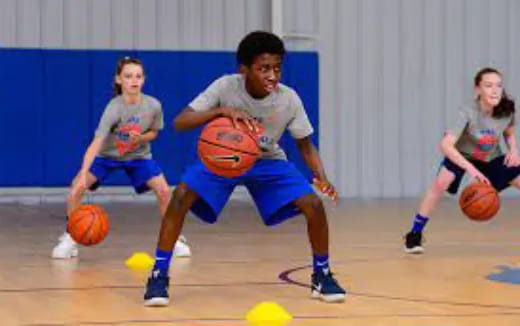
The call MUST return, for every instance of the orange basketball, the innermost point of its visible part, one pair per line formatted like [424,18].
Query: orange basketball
[479,201]
[88,224]
[226,150]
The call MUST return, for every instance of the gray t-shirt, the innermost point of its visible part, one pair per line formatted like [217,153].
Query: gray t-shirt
[478,136]
[280,110]
[119,119]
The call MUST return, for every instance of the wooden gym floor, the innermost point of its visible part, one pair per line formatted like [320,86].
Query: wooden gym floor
[239,263]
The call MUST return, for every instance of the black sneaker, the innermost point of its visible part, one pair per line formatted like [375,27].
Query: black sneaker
[413,243]
[326,288]
[157,290]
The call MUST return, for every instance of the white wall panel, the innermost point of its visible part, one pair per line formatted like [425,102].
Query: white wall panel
[390,101]
[52,23]
[28,23]
[76,23]
[8,23]
[100,24]
[146,24]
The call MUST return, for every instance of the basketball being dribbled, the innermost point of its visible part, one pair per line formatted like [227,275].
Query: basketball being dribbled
[225,150]
[88,224]
[479,201]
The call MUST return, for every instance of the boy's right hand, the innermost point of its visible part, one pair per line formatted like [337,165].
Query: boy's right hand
[476,174]
[326,188]
[237,115]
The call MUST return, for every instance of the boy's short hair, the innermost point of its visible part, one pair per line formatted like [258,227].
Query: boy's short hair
[257,43]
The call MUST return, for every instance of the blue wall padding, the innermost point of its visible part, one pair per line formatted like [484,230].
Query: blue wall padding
[51,102]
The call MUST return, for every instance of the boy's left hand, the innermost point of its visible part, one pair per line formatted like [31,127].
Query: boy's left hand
[512,159]
[326,188]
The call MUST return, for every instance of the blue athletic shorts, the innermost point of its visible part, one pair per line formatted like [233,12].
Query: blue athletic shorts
[139,171]
[273,184]
[495,170]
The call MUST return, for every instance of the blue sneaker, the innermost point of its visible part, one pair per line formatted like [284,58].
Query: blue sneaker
[157,290]
[326,288]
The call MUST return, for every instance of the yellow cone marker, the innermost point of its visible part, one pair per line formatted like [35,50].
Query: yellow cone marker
[268,314]
[140,261]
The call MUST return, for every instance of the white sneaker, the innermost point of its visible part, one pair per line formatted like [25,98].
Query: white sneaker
[66,248]
[181,248]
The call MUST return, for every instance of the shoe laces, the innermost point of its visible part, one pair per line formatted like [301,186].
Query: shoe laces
[158,280]
[65,237]
[326,279]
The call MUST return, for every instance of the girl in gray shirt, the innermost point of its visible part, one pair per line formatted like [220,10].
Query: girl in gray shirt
[129,123]
[472,145]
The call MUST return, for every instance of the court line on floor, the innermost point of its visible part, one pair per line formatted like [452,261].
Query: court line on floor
[296,317]
[286,279]
[132,287]
[285,276]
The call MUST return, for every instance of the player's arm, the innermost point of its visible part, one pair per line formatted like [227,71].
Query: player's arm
[108,123]
[153,131]
[91,153]
[89,156]
[189,118]
[208,105]
[447,145]
[312,159]
[512,158]
[450,151]
[148,136]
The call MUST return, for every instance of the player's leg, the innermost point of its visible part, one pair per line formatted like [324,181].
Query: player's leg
[160,187]
[324,286]
[448,179]
[66,246]
[77,190]
[281,192]
[158,283]
[502,176]
[317,226]
[161,190]
[205,194]
[516,182]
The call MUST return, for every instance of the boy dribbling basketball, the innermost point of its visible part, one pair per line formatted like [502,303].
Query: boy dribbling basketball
[279,190]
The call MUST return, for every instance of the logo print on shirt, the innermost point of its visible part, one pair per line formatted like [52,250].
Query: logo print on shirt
[486,142]
[122,135]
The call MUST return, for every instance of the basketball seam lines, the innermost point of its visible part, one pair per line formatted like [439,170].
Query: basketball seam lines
[477,198]
[226,147]
[70,226]
[88,229]
[490,207]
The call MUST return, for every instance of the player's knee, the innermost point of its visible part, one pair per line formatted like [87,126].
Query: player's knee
[163,194]
[440,185]
[179,196]
[516,182]
[313,204]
